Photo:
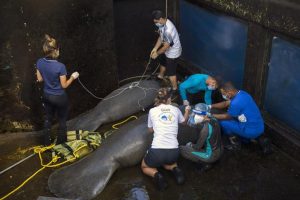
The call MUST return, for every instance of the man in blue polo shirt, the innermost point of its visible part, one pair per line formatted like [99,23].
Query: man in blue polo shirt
[242,118]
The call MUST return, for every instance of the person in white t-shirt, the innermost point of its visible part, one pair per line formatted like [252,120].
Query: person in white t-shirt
[163,121]
[167,47]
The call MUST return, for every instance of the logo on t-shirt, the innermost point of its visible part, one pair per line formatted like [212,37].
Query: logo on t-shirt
[166,118]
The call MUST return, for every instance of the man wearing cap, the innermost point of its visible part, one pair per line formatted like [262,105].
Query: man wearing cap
[208,148]
[190,90]
[167,47]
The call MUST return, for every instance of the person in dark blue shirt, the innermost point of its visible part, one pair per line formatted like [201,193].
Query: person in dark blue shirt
[55,100]
[243,118]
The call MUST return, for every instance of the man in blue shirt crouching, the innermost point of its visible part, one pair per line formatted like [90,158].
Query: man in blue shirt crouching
[243,117]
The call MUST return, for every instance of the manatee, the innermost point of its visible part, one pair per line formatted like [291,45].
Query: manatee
[125,101]
[126,147]
[86,178]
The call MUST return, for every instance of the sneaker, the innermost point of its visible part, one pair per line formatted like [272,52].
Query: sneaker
[189,144]
[235,143]
[160,181]
[159,78]
[179,176]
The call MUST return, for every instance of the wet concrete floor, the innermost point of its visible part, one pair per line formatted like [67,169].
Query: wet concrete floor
[239,175]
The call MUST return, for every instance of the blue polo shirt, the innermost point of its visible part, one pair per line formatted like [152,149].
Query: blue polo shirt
[194,84]
[243,103]
[51,70]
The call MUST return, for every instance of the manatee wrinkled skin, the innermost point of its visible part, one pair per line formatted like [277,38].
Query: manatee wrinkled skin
[127,100]
[86,178]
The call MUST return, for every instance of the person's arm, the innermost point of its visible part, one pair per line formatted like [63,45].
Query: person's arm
[164,48]
[158,43]
[64,82]
[186,114]
[221,105]
[184,86]
[153,53]
[202,137]
[224,116]
[168,40]
[150,130]
[39,76]
[207,97]
[150,124]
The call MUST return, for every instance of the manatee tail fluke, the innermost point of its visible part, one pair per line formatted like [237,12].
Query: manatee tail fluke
[92,178]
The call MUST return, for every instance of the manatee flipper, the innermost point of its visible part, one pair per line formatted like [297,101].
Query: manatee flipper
[91,180]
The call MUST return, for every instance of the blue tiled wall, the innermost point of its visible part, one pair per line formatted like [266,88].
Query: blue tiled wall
[282,98]
[214,42]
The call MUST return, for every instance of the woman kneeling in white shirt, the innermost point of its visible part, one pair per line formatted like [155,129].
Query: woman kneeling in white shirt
[163,121]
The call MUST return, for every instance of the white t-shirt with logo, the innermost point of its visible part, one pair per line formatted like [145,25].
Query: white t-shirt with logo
[164,120]
[169,34]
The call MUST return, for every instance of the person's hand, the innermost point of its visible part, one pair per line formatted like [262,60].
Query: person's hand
[187,108]
[206,118]
[154,55]
[153,50]
[208,107]
[186,102]
[75,75]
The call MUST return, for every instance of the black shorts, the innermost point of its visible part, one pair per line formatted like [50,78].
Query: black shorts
[160,157]
[198,97]
[169,63]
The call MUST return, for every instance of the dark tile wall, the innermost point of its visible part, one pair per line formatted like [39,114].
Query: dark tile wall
[85,32]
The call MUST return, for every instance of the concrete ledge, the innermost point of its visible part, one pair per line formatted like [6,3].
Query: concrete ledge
[284,137]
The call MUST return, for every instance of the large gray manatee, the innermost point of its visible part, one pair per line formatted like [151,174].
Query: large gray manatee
[86,178]
[126,147]
[125,101]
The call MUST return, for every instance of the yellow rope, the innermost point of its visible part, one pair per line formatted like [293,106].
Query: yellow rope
[40,149]
[122,122]
[2,198]
[37,149]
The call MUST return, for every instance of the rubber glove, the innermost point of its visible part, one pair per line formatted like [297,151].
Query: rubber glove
[186,102]
[242,118]
[75,75]
[208,107]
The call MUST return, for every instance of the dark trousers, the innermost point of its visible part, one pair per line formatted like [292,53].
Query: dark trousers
[56,104]
[216,97]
